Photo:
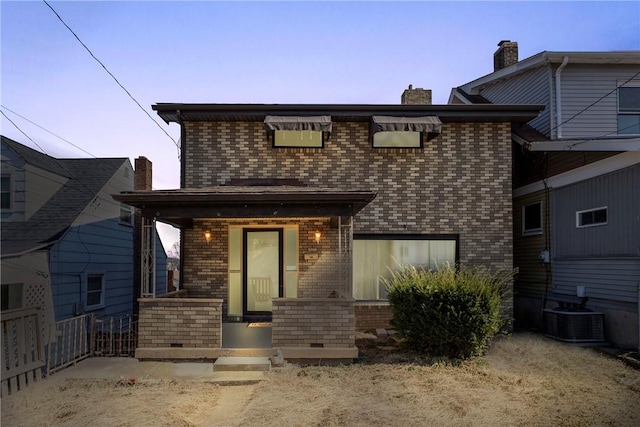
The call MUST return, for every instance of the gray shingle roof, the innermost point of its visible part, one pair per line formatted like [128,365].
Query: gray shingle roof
[86,178]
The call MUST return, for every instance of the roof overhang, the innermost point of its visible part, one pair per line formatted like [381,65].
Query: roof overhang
[181,207]
[178,113]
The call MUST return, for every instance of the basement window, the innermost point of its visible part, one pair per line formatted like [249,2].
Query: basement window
[591,217]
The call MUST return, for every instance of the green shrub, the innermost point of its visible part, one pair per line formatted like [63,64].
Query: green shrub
[447,312]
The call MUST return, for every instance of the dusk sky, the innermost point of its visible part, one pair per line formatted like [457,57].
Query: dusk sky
[257,52]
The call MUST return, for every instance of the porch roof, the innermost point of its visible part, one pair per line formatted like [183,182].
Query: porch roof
[180,206]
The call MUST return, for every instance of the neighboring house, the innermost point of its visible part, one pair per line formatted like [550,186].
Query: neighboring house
[67,246]
[291,214]
[576,195]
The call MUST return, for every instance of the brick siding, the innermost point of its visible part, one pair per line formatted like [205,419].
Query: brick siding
[301,322]
[189,322]
[459,183]
[372,315]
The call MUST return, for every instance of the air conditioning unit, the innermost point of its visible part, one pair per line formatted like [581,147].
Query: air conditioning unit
[577,326]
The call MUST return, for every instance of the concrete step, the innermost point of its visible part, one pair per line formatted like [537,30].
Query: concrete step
[246,364]
[236,377]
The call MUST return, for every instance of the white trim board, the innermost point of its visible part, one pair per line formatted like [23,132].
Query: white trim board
[592,170]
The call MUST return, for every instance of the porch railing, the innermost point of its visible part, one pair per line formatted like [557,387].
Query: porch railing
[68,343]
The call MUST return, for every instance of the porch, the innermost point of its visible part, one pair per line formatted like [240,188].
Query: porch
[182,328]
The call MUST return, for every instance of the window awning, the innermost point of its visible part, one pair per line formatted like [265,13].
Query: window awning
[318,123]
[431,125]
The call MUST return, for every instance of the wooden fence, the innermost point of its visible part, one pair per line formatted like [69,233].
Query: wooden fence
[22,349]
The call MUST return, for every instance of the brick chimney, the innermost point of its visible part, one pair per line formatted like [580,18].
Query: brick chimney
[506,55]
[417,96]
[143,175]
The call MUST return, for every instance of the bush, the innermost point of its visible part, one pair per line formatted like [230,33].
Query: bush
[447,312]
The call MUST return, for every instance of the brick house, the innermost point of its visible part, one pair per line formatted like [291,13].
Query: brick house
[290,214]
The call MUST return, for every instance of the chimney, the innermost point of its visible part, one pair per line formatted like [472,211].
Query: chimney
[143,175]
[506,55]
[417,96]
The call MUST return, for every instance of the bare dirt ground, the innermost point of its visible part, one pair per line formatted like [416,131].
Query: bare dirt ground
[524,380]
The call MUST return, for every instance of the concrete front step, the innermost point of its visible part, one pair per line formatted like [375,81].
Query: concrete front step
[236,377]
[242,364]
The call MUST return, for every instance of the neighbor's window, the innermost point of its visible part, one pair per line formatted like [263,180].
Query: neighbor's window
[11,296]
[298,139]
[375,256]
[126,214]
[591,217]
[629,108]
[5,193]
[532,219]
[95,291]
[397,140]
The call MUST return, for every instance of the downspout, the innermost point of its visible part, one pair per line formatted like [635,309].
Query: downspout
[565,61]
[183,145]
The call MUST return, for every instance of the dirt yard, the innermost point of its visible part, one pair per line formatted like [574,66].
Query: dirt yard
[525,380]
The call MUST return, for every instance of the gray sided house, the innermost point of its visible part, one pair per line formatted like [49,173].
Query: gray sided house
[576,195]
[292,214]
[67,246]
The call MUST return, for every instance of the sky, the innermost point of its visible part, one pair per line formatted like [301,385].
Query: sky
[332,52]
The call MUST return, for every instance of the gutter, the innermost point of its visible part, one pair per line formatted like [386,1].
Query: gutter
[565,61]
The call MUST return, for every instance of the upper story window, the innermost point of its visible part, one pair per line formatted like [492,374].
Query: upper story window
[5,193]
[629,108]
[532,219]
[126,214]
[591,217]
[298,139]
[397,140]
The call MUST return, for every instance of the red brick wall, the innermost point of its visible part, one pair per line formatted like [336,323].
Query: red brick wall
[372,315]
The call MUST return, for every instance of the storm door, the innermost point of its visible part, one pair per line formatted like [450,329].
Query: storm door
[262,279]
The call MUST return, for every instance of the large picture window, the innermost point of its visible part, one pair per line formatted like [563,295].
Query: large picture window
[375,256]
[629,108]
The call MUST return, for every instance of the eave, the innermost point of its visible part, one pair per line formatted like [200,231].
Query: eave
[181,207]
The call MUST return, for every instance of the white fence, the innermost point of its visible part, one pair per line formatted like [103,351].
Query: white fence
[28,357]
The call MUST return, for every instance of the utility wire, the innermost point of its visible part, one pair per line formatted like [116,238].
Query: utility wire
[594,103]
[112,76]
[615,132]
[22,132]
[46,130]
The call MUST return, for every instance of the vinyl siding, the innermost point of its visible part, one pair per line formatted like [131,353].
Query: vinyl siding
[610,283]
[532,87]
[620,193]
[582,85]
[532,273]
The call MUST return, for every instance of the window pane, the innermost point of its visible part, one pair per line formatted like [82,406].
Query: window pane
[397,140]
[5,183]
[235,294]
[628,124]
[5,200]
[532,218]
[374,259]
[94,283]
[594,217]
[600,216]
[629,98]
[297,138]
[235,249]
[291,247]
[93,298]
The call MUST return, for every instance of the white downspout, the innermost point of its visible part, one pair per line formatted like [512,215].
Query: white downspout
[565,61]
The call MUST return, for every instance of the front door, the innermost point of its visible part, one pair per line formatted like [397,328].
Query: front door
[262,279]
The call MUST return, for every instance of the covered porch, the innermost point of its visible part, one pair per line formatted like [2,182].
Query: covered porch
[266,269]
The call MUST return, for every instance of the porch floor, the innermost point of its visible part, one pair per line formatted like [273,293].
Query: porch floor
[246,335]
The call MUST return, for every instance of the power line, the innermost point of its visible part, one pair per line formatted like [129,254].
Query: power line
[111,74]
[46,130]
[22,132]
[594,103]
[615,132]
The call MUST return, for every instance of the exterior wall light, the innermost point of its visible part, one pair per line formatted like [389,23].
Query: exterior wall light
[208,236]
[317,235]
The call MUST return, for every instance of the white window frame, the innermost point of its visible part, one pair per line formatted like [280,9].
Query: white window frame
[578,213]
[532,231]
[85,286]
[625,84]
[11,201]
